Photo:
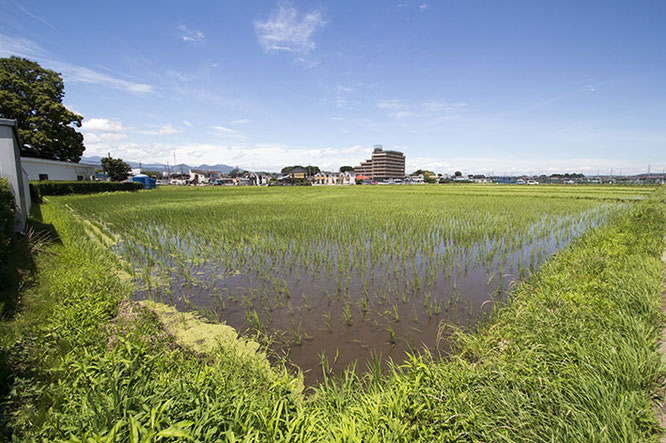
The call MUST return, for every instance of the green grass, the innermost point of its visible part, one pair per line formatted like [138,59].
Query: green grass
[573,357]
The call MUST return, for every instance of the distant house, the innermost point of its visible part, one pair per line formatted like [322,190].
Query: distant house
[223,180]
[179,179]
[415,179]
[260,178]
[198,176]
[214,175]
[39,169]
[479,179]
[334,178]
[298,174]
[242,180]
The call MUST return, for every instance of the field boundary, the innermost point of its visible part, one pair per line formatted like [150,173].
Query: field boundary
[661,411]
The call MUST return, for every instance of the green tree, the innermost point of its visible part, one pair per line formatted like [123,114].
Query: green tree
[346,169]
[423,172]
[458,174]
[310,170]
[33,96]
[116,169]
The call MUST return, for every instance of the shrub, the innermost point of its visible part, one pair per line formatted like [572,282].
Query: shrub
[40,189]
[7,212]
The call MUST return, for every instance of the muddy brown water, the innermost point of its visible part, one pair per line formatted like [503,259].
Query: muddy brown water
[320,316]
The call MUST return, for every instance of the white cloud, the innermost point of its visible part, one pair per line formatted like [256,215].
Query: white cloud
[19,46]
[423,6]
[344,97]
[75,73]
[426,111]
[34,16]
[395,108]
[72,73]
[186,123]
[241,121]
[168,130]
[287,30]
[225,133]
[102,125]
[273,157]
[179,76]
[391,105]
[102,132]
[222,129]
[190,35]
[267,157]
[437,106]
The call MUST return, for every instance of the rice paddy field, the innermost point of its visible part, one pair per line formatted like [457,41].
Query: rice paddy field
[473,313]
[328,277]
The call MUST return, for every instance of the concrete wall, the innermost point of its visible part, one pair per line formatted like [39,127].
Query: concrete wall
[56,170]
[10,168]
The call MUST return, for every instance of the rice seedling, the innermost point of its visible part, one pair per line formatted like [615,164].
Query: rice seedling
[347,314]
[290,252]
[392,335]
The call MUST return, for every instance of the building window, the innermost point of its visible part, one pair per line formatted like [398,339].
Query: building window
[43,177]
[79,178]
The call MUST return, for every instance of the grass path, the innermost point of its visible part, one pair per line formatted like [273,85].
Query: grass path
[661,413]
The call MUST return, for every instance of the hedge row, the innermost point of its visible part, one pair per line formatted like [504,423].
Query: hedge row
[6,214]
[40,189]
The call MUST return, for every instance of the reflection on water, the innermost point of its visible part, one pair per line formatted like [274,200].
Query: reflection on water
[366,299]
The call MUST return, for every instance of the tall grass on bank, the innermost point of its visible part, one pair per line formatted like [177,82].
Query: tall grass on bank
[573,357]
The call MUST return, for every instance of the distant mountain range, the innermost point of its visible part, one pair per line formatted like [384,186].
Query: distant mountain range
[225,169]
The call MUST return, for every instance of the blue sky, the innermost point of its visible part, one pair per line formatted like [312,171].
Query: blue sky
[497,86]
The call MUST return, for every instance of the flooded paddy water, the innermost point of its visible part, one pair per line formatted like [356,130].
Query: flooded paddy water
[334,277]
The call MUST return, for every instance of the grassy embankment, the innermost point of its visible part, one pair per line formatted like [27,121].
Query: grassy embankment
[573,358]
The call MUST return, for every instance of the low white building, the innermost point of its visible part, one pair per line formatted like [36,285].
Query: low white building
[40,169]
[198,176]
[415,179]
[334,178]
[260,178]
